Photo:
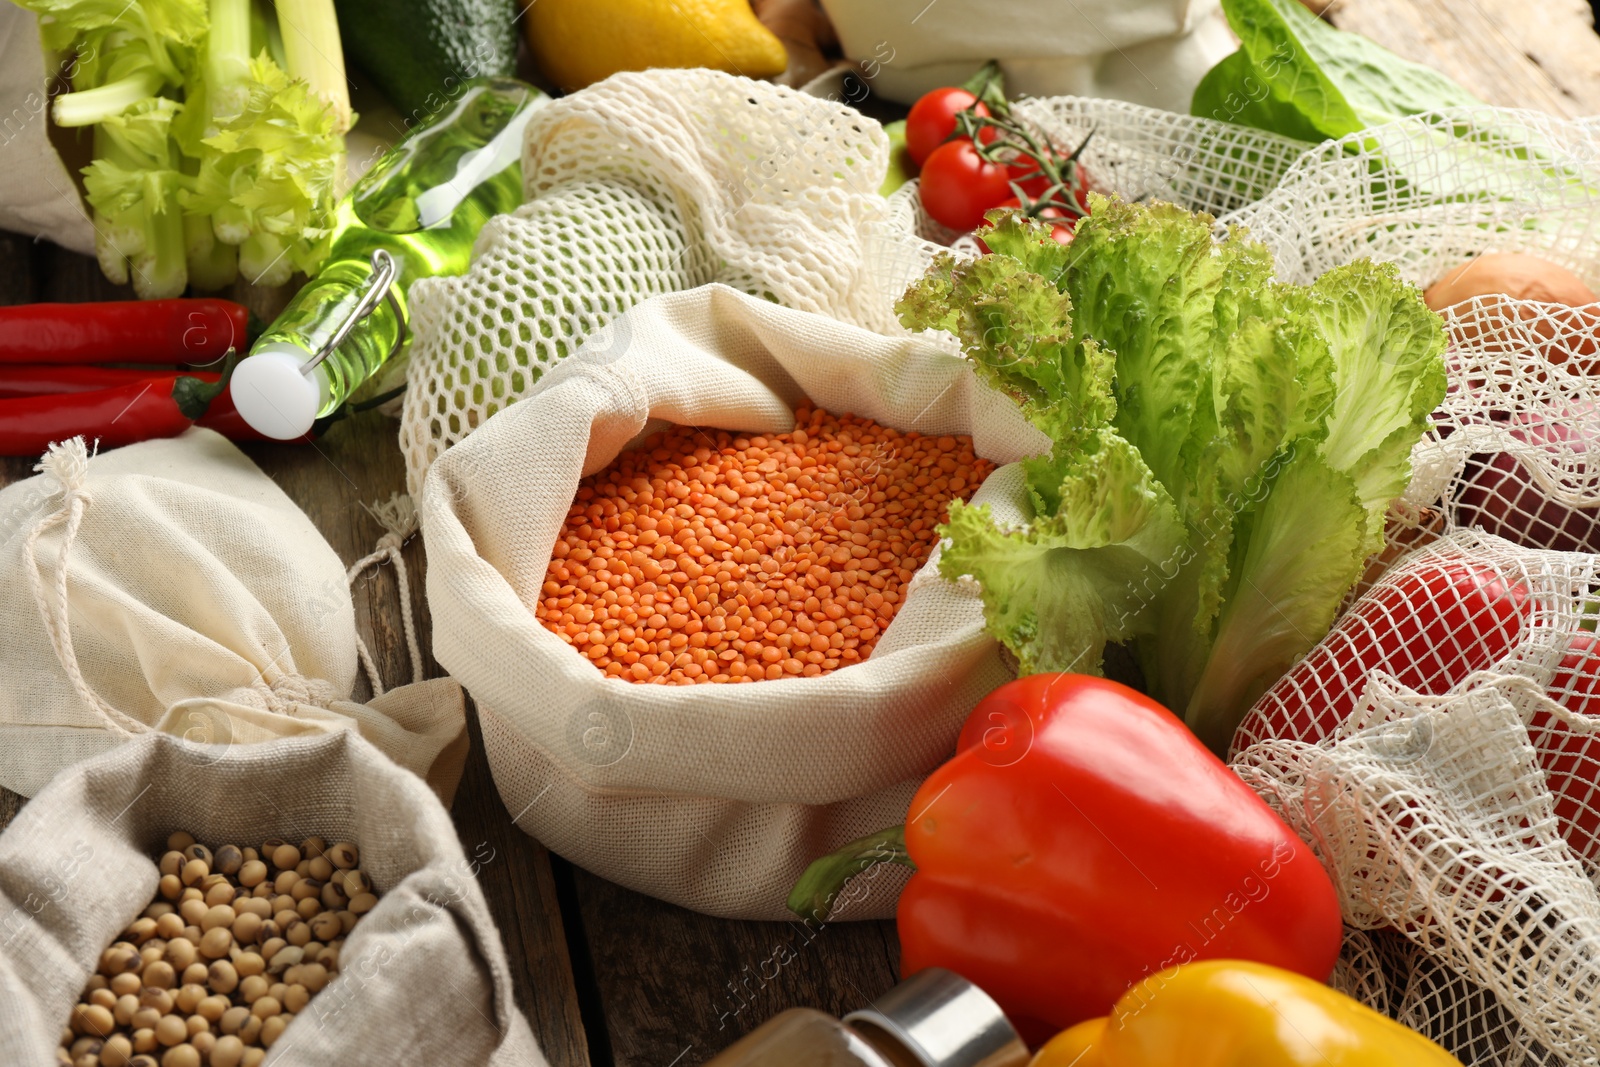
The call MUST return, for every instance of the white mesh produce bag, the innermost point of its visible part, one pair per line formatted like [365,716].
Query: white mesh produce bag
[664,180]
[422,976]
[170,586]
[1449,820]
[1438,746]
[712,796]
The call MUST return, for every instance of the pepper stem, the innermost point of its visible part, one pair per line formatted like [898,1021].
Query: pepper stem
[814,894]
[194,395]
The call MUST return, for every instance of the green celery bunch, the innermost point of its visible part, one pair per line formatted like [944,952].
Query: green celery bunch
[1225,446]
[217,134]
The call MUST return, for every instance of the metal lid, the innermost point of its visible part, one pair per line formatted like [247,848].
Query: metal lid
[945,1021]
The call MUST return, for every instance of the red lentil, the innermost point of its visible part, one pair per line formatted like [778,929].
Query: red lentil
[711,556]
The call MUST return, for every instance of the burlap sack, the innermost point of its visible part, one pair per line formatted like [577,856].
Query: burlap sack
[713,797]
[171,586]
[423,977]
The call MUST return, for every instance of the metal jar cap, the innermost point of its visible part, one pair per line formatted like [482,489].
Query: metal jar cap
[945,1021]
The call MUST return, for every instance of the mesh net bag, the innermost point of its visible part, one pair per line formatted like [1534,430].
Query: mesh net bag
[1439,746]
[669,179]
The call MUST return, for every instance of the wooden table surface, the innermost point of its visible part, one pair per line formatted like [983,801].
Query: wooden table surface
[606,975]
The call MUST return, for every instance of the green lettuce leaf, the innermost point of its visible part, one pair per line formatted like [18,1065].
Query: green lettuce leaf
[1296,75]
[1144,280]
[1387,349]
[1056,591]
[1224,445]
[1016,327]
[1297,555]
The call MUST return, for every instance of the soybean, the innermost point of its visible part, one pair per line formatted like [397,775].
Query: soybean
[211,973]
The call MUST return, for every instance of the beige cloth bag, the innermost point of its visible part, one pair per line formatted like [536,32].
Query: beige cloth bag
[1151,52]
[712,797]
[423,978]
[171,586]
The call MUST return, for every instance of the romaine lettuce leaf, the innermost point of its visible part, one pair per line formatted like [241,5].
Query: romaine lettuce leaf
[1296,75]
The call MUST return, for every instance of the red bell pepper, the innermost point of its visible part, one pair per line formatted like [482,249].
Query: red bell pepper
[1081,839]
[167,332]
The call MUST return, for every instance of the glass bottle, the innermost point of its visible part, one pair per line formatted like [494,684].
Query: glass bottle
[933,1019]
[415,214]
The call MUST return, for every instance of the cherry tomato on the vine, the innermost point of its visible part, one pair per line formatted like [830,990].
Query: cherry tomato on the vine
[933,119]
[958,185]
[1026,174]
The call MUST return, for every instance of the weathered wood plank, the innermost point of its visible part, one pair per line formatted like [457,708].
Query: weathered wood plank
[677,987]
[1542,55]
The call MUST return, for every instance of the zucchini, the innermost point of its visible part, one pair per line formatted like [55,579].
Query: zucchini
[418,52]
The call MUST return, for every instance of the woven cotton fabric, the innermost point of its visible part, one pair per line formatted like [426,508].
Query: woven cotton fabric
[1440,748]
[422,977]
[190,597]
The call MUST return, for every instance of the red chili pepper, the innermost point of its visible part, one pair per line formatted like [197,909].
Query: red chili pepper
[43,379]
[116,416]
[1081,839]
[119,414]
[169,332]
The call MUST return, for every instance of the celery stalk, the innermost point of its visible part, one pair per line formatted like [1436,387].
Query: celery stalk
[85,107]
[227,70]
[311,45]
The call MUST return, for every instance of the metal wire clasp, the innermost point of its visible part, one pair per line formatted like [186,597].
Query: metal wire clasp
[379,287]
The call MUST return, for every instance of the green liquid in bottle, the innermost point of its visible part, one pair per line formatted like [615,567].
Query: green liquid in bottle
[423,203]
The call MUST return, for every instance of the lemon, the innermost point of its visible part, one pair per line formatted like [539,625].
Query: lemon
[578,42]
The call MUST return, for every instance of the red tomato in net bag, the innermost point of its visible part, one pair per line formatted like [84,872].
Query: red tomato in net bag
[1571,757]
[933,119]
[1429,624]
[958,185]
[1500,495]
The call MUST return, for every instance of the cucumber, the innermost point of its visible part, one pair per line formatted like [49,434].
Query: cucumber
[418,52]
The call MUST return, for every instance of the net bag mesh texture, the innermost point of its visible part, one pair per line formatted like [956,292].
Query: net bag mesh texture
[1439,746]
[665,180]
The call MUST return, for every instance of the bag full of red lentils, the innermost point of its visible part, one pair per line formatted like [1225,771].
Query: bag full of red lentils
[419,975]
[706,637]
[171,586]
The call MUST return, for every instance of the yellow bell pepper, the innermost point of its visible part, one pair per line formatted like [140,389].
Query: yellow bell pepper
[1229,1013]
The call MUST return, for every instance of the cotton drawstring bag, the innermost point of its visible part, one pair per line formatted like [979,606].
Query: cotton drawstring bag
[1088,47]
[715,797]
[170,586]
[422,978]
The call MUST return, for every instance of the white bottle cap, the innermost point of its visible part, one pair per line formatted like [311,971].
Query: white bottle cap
[273,394]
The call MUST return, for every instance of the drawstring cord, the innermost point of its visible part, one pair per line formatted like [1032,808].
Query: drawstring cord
[68,463]
[398,517]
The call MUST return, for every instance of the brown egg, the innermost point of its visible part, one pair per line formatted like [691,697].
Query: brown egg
[1512,274]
